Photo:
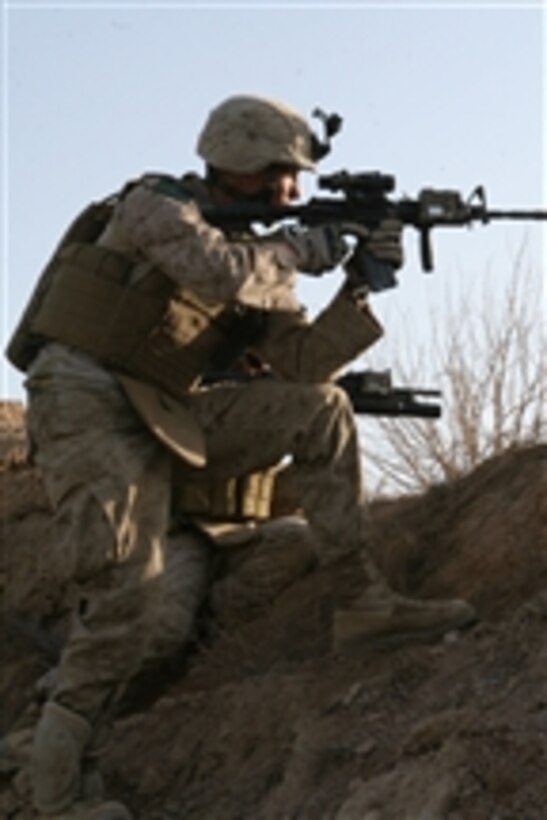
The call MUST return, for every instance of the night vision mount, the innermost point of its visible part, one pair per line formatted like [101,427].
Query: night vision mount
[332,124]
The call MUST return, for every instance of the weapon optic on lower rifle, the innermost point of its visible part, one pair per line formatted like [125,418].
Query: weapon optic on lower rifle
[372,393]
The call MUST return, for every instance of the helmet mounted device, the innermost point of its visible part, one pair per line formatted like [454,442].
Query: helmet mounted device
[332,125]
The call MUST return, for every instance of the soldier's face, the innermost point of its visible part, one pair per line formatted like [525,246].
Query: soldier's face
[283,183]
[275,185]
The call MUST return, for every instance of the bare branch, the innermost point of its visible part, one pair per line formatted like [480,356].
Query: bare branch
[490,362]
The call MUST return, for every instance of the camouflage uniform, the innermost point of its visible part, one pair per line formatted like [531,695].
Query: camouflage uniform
[109,479]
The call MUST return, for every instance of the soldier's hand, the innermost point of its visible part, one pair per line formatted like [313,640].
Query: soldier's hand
[376,257]
[317,249]
[385,243]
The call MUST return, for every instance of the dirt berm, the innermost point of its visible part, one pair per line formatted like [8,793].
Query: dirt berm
[262,720]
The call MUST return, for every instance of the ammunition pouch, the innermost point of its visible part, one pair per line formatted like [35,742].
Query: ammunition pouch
[25,343]
[148,329]
[249,498]
[89,298]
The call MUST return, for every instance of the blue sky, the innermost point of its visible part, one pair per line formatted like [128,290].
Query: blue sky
[439,94]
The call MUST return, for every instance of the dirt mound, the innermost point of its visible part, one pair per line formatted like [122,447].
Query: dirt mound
[482,537]
[264,721]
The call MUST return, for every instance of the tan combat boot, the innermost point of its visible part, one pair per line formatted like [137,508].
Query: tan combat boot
[56,769]
[59,742]
[380,616]
[16,745]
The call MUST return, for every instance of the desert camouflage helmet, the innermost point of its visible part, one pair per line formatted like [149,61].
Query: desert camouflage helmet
[245,134]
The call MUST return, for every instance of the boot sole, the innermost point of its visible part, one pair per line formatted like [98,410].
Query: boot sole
[347,636]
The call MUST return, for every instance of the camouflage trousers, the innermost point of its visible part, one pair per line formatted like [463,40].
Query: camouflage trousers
[109,482]
[253,426]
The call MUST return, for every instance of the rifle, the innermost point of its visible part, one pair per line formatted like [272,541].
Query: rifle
[371,392]
[364,200]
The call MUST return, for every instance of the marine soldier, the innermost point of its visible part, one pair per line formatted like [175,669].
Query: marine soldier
[141,299]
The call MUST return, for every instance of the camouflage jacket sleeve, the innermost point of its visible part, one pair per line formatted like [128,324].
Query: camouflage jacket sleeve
[171,234]
[315,351]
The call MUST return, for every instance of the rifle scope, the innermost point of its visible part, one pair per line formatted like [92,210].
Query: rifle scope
[366,183]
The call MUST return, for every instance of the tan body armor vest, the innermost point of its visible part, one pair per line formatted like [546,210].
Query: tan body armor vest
[150,329]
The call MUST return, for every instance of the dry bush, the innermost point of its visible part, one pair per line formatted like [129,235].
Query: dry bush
[489,360]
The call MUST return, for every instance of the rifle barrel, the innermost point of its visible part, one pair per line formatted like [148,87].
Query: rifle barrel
[498,214]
